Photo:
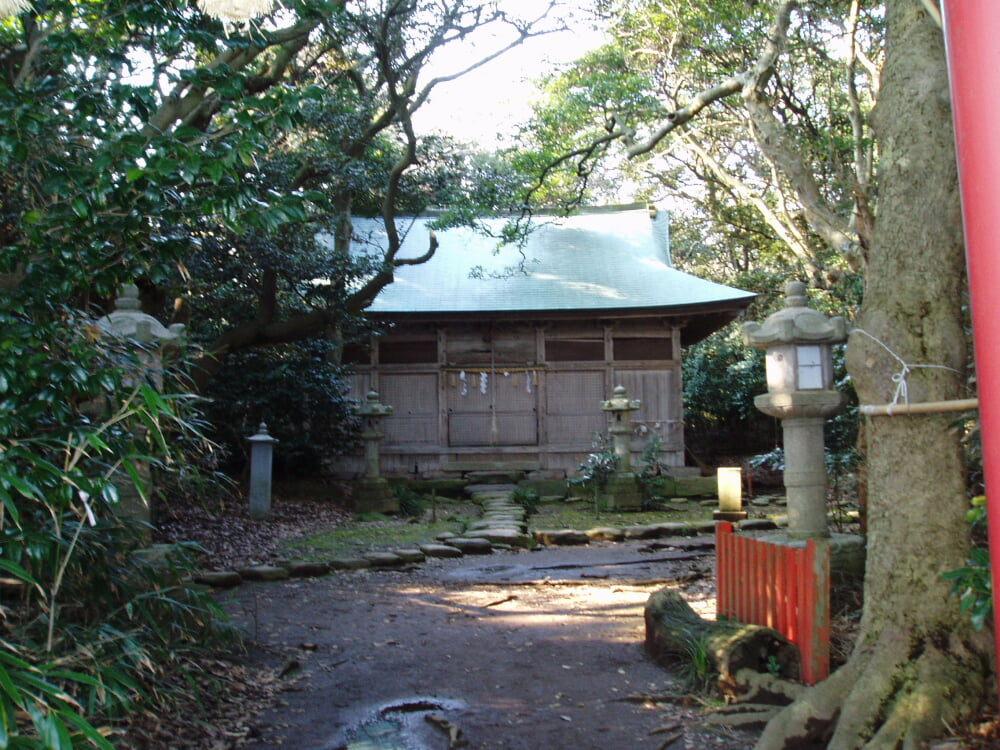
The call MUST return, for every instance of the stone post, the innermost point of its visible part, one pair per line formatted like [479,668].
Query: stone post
[372,493]
[622,490]
[261,460]
[128,323]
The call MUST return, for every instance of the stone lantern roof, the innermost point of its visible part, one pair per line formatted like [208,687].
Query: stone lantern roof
[796,323]
[128,321]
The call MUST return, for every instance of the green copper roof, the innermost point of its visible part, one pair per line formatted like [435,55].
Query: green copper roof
[607,260]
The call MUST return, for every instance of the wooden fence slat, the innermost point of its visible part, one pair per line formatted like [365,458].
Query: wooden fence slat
[780,587]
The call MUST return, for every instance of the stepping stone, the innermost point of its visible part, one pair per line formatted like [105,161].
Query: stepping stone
[513,537]
[304,569]
[490,489]
[263,573]
[383,559]
[472,545]
[641,532]
[411,555]
[349,563]
[440,550]
[562,537]
[220,579]
[675,529]
[704,527]
[606,534]
[503,521]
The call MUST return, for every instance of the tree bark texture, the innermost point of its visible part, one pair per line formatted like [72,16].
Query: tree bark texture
[673,629]
[917,667]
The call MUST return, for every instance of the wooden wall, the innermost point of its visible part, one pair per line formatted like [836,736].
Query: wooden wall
[519,392]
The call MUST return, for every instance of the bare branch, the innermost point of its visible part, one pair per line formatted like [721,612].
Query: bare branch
[525,32]
[186,99]
[686,113]
[786,230]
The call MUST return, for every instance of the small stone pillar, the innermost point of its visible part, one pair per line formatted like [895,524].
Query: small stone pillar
[261,460]
[372,493]
[798,343]
[622,490]
[128,323]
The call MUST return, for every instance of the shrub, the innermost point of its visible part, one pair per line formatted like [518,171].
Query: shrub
[527,498]
[297,392]
[89,627]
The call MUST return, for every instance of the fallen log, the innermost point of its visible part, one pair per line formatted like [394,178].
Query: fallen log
[676,633]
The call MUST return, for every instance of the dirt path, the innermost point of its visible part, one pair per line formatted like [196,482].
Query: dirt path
[522,651]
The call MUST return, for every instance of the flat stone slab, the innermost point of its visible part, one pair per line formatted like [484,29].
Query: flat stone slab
[220,579]
[641,532]
[561,537]
[263,573]
[308,569]
[504,520]
[472,545]
[440,550]
[489,489]
[349,563]
[606,534]
[503,509]
[384,559]
[513,537]
[675,529]
[412,555]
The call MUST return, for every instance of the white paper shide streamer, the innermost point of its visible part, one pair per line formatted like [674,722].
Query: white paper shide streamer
[232,10]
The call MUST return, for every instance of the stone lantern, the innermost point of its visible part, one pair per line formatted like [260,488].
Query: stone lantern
[128,323]
[372,493]
[798,341]
[622,490]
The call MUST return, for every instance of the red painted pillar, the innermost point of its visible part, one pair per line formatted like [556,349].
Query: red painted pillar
[972,33]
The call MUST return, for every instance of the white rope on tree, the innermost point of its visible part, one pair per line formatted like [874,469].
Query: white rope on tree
[899,378]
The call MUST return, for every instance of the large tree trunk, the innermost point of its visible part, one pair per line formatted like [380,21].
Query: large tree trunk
[917,667]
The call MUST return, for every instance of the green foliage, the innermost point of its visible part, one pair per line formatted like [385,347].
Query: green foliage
[90,627]
[721,376]
[143,141]
[973,583]
[773,460]
[653,472]
[695,665]
[297,392]
[601,89]
[527,498]
[411,505]
[597,468]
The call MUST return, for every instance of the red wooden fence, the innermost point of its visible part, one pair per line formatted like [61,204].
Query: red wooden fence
[779,586]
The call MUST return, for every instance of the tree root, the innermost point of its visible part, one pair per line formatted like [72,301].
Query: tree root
[891,695]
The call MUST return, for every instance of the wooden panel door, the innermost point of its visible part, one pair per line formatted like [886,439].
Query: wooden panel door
[414,401]
[492,408]
[660,394]
[574,408]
